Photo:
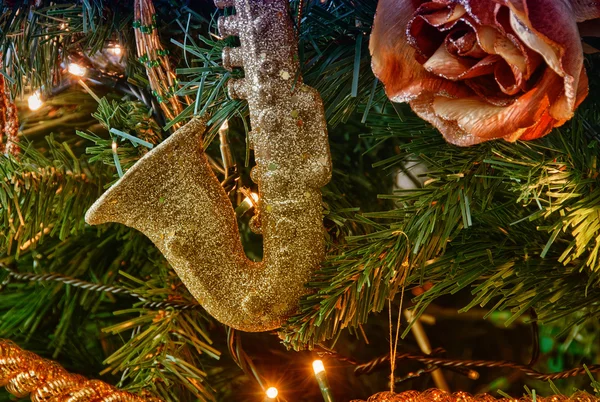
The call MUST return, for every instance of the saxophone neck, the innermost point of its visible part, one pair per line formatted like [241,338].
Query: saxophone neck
[289,133]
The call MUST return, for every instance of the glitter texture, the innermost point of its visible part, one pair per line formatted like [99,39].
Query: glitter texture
[438,395]
[173,197]
[24,373]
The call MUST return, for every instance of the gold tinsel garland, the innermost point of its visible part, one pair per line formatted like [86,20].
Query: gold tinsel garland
[163,81]
[9,121]
[437,395]
[24,373]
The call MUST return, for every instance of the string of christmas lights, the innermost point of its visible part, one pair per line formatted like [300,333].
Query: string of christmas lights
[370,366]
[318,366]
[94,287]
[24,373]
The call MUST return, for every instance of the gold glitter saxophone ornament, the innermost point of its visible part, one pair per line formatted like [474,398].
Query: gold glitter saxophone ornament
[24,373]
[173,197]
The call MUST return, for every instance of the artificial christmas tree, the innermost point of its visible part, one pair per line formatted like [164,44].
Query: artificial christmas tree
[466,270]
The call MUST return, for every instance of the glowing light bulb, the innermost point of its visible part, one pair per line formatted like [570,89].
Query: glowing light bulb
[272,392]
[116,159]
[318,366]
[116,50]
[321,377]
[35,101]
[76,69]
[251,200]
[225,125]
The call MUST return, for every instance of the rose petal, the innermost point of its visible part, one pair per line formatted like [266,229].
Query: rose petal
[562,109]
[393,59]
[521,60]
[514,51]
[585,9]
[549,51]
[424,37]
[423,107]
[485,121]
[494,42]
[509,82]
[548,27]
[482,11]
[545,124]
[438,14]
[446,65]
[487,88]
[548,122]
[464,43]
[424,31]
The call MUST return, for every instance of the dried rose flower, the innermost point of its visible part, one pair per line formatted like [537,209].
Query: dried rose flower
[484,69]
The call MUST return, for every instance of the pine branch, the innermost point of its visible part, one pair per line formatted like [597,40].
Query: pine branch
[60,308]
[486,219]
[45,196]
[37,40]
[95,287]
[334,44]
[327,46]
[166,350]
[132,130]
[68,305]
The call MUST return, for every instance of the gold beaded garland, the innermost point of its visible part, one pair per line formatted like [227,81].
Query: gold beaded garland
[24,373]
[438,395]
